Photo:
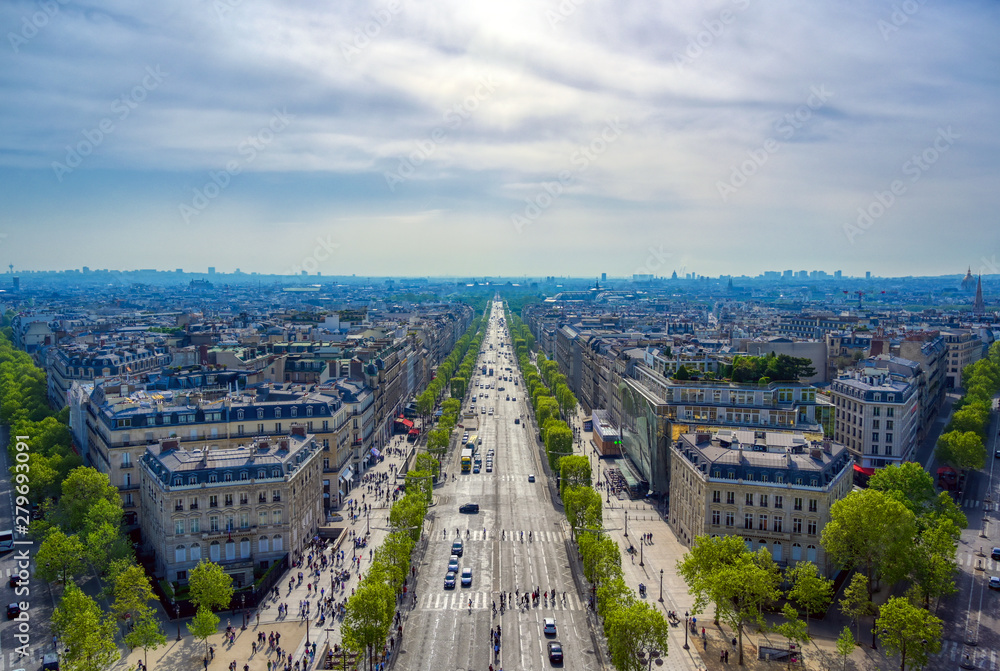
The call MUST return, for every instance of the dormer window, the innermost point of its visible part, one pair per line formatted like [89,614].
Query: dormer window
[244,475]
[239,414]
[261,474]
[260,413]
[277,413]
[192,479]
[309,411]
[178,481]
[276,473]
[294,411]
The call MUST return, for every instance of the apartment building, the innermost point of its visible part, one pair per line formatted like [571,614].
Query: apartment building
[877,416]
[243,508]
[772,489]
[82,363]
[964,348]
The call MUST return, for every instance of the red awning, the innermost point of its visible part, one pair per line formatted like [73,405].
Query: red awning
[405,422]
[414,432]
[862,469]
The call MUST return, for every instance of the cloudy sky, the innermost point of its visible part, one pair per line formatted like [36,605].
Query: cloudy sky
[480,137]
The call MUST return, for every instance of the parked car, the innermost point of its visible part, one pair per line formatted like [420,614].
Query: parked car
[469,508]
[555,652]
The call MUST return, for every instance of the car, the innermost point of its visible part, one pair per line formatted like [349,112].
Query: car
[489,468]
[483,411]
[513,398]
[549,626]
[456,548]
[13,610]
[508,398]
[531,478]
[517,420]
[449,580]
[467,577]
[453,563]
[996,454]
[995,553]
[12,582]
[50,662]
[555,652]
[469,508]
[475,469]
[995,582]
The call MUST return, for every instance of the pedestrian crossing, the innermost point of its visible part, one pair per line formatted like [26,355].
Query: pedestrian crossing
[973,559]
[979,658]
[458,599]
[972,503]
[511,536]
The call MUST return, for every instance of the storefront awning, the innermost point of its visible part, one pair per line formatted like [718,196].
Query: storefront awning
[347,474]
[861,469]
[405,422]
[414,432]
[376,452]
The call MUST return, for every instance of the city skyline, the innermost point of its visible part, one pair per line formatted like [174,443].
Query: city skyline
[396,139]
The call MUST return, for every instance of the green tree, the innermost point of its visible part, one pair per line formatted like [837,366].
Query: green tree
[146,633]
[574,471]
[682,373]
[60,557]
[437,440]
[634,634]
[856,601]
[583,508]
[106,544]
[742,590]
[558,443]
[210,586]
[908,631]
[131,592]
[972,417]
[870,530]
[845,644]
[698,566]
[203,625]
[613,595]
[81,491]
[915,485]
[368,618]
[425,462]
[420,483]
[963,450]
[933,560]
[810,590]
[793,628]
[88,637]
[458,385]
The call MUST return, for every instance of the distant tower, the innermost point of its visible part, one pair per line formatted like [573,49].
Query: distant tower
[978,307]
[968,282]
[729,287]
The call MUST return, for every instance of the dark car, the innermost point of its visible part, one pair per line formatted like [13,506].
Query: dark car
[456,548]
[531,478]
[995,553]
[995,582]
[13,581]
[13,610]
[517,421]
[449,580]
[50,662]
[555,652]
[469,508]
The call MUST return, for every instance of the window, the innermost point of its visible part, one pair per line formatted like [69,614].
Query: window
[262,544]
[239,415]
[195,526]
[779,478]
[762,500]
[213,523]
[276,517]
[275,494]
[811,527]
[261,474]
[244,498]
[178,481]
[874,423]
[731,498]
[888,438]
[888,424]
[178,504]
[214,551]
[889,412]
[797,505]
[730,519]
[875,437]
[193,480]
[178,527]
[716,517]
[749,499]
[230,550]
[213,478]
[275,472]
[245,548]
[229,499]
[876,411]
[195,552]
[213,501]
[778,520]
[180,554]
[276,544]
[748,521]
[244,475]
[260,413]
[261,497]
[230,523]
[779,501]
[227,477]
[811,553]
[796,525]
[812,502]
[262,517]
[277,413]
[716,496]
[244,520]
[762,523]
[796,552]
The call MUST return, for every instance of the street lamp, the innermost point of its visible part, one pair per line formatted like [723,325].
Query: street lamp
[177,614]
[661,585]
[305,616]
[626,524]
[642,544]
[243,607]
[686,631]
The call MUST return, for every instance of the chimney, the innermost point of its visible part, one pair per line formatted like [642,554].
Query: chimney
[298,430]
[167,445]
[204,456]
[283,444]
[816,453]
[827,446]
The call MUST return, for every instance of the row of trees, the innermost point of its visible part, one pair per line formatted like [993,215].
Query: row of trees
[635,631]
[24,408]
[898,531]
[370,610]
[963,442]
[453,374]
[763,369]
[548,392]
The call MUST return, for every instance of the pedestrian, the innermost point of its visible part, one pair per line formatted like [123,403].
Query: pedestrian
[727,656]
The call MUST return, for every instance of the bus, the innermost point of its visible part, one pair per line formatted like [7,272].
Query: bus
[6,540]
[473,442]
[466,460]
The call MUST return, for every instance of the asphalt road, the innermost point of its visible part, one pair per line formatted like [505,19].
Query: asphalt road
[443,632]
